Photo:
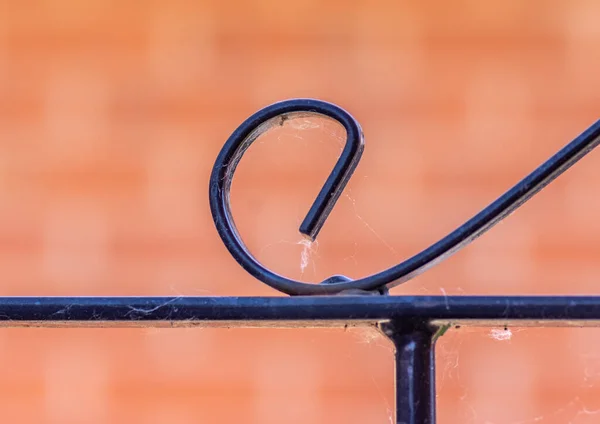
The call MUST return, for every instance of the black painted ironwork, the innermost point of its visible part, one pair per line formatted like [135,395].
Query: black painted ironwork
[247,133]
[412,323]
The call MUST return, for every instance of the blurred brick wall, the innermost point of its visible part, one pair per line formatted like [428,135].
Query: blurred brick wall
[112,113]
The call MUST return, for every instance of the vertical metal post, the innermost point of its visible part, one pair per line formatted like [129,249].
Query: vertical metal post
[415,370]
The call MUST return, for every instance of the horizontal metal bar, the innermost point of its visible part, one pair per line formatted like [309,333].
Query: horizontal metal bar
[311,311]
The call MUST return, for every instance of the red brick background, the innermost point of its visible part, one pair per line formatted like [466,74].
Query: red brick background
[112,113]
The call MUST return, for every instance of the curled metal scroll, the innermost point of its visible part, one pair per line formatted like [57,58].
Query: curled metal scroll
[261,121]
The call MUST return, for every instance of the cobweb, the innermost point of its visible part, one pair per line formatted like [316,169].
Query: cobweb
[516,390]
[464,397]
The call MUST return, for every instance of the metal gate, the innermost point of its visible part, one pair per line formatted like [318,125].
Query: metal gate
[412,323]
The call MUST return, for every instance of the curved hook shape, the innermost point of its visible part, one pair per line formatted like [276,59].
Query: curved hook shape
[499,209]
[232,152]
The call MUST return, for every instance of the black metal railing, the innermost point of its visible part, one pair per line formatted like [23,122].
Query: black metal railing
[412,323]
